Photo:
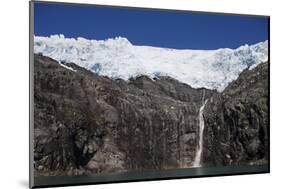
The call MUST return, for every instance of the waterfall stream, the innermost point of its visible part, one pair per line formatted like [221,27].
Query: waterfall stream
[199,150]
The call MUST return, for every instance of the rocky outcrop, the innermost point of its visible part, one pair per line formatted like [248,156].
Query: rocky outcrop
[85,123]
[236,121]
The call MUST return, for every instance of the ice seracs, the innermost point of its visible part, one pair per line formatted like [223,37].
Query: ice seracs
[118,58]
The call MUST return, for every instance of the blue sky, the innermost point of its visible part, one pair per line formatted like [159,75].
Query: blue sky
[171,29]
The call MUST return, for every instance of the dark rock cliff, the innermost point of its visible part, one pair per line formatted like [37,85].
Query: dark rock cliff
[85,123]
[236,121]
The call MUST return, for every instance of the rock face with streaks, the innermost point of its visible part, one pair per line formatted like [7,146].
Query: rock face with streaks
[85,123]
[236,121]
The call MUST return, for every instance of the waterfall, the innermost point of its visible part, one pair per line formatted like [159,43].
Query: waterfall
[197,160]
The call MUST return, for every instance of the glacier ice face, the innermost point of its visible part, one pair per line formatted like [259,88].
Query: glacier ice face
[118,58]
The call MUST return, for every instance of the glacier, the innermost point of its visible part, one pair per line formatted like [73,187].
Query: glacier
[118,58]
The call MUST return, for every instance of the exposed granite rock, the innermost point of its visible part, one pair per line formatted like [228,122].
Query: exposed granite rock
[85,123]
[236,121]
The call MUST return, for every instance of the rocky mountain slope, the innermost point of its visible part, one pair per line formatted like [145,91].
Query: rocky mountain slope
[85,123]
[236,121]
[88,123]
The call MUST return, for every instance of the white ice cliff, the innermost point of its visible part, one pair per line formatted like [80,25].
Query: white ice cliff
[118,58]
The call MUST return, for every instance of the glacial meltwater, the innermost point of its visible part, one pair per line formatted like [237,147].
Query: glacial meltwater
[197,160]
